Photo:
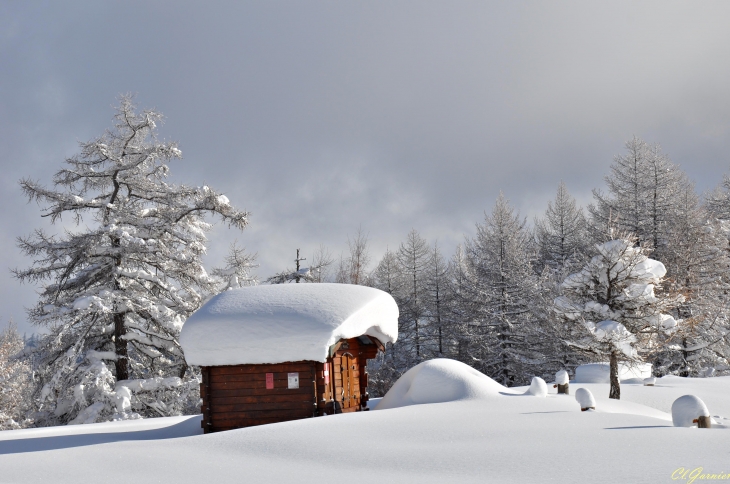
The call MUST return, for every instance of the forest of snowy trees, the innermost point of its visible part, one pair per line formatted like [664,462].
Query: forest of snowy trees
[639,275]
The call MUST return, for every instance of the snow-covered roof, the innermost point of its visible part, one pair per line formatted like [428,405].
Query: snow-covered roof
[285,322]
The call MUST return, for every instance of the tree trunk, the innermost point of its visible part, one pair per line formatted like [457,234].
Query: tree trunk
[684,371]
[615,391]
[120,348]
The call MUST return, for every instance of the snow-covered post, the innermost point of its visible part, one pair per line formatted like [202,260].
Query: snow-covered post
[585,399]
[561,382]
[688,410]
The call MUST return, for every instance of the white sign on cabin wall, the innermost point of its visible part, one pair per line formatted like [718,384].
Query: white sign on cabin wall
[293,380]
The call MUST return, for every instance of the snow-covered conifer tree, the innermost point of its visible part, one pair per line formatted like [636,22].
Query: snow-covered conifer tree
[413,265]
[561,235]
[385,370]
[437,299]
[616,302]
[116,288]
[641,200]
[387,276]
[465,332]
[238,269]
[15,380]
[316,272]
[353,269]
[500,295]
[562,241]
[321,261]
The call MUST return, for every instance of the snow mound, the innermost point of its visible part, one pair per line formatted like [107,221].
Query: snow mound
[585,398]
[285,322]
[561,377]
[538,387]
[599,372]
[686,409]
[651,381]
[437,381]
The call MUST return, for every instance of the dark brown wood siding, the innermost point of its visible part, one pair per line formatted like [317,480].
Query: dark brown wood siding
[237,396]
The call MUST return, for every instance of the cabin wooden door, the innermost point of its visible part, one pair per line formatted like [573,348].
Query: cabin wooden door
[350,383]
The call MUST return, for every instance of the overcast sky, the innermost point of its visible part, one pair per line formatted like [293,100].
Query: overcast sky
[320,117]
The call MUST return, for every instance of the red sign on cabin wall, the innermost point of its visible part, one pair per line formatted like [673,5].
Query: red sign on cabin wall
[269,381]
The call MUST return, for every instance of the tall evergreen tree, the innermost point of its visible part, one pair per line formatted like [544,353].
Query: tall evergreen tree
[387,276]
[353,269]
[500,294]
[465,332]
[436,302]
[561,235]
[116,291]
[238,271]
[15,380]
[562,241]
[641,199]
[390,365]
[413,265]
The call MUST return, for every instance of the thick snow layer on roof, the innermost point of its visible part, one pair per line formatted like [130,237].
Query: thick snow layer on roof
[285,322]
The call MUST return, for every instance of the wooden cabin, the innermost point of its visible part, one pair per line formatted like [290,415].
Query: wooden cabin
[267,353]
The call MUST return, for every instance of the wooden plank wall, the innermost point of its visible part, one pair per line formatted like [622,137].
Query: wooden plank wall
[236,396]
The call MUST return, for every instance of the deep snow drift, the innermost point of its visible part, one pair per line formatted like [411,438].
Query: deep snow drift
[599,372]
[437,381]
[480,432]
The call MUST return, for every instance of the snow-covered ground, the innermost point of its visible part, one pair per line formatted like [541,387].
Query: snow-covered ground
[479,432]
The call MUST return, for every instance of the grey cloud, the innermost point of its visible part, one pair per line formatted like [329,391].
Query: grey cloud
[321,117]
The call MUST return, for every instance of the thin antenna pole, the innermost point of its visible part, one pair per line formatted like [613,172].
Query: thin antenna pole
[297,261]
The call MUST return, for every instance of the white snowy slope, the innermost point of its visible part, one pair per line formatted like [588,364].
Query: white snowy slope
[285,322]
[600,372]
[486,433]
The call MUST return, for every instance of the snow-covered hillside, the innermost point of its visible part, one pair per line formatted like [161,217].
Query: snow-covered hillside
[479,432]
